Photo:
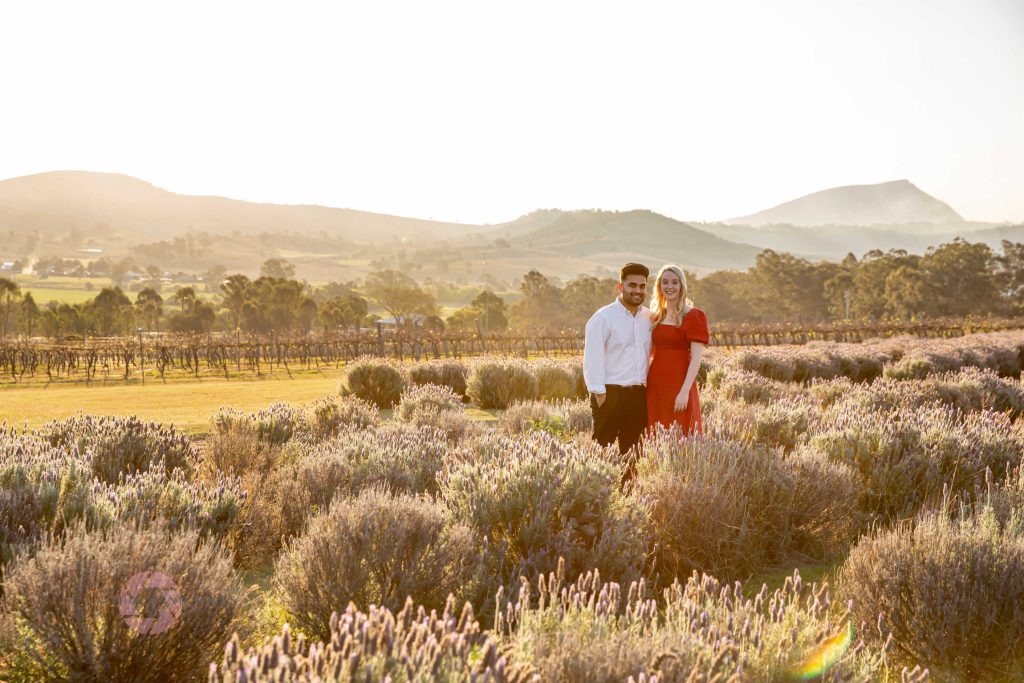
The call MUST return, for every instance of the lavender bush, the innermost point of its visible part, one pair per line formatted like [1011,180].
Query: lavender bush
[378,381]
[905,457]
[950,591]
[536,498]
[730,508]
[332,415]
[60,617]
[446,373]
[123,444]
[500,383]
[375,549]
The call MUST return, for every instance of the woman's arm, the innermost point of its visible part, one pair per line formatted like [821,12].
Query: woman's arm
[683,397]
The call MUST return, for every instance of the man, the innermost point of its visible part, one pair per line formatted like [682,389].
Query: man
[615,356]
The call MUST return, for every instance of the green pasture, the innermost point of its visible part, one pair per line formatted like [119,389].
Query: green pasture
[74,290]
[187,405]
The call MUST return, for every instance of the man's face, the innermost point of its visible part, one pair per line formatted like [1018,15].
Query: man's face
[633,289]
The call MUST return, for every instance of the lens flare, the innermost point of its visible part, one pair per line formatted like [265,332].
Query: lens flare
[827,654]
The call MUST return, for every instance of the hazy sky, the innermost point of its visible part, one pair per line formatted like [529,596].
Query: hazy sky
[480,111]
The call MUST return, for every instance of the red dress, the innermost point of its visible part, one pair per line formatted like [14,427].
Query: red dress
[670,349]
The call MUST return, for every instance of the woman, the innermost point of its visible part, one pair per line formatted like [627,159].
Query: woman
[678,336]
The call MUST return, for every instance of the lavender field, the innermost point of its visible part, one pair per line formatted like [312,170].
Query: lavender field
[853,512]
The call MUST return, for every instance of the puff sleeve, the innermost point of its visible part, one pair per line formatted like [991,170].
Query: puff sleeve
[695,325]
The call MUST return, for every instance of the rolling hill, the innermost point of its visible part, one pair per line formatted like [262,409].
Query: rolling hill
[898,201]
[118,215]
[115,204]
[609,238]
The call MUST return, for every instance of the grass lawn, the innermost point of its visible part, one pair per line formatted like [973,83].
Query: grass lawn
[44,295]
[185,402]
[72,290]
[188,405]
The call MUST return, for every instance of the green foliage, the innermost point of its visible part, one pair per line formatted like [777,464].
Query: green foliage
[377,645]
[699,630]
[274,425]
[535,499]
[44,489]
[427,398]
[783,422]
[555,381]
[118,445]
[447,373]
[377,381]
[373,549]
[403,458]
[487,308]
[730,509]
[331,415]
[400,295]
[499,383]
[562,419]
[907,457]
[950,591]
[540,306]
[60,615]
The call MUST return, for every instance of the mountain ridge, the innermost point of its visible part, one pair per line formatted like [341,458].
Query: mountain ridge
[90,198]
[895,201]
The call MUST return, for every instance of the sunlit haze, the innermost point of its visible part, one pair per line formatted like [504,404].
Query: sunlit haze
[480,111]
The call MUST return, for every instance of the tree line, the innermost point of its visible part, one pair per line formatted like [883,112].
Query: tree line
[958,278]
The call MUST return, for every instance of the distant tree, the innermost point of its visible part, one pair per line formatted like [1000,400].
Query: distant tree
[277,268]
[109,311]
[487,307]
[906,293]
[234,288]
[722,296]
[185,297]
[29,313]
[783,286]
[60,320]
[10,297]
[540,305]
[347,309]
[1010,276]
[398,294]
[585,294]
[199,319]
[867,292]
[307,314]
[149,306]
[961,278]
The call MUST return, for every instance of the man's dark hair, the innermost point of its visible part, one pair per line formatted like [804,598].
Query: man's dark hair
[633,269]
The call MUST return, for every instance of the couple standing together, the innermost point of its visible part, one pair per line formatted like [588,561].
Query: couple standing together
[640,364]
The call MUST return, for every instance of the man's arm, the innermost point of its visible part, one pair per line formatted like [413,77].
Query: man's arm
[593,356]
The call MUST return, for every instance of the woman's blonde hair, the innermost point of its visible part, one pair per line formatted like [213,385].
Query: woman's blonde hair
[659,305]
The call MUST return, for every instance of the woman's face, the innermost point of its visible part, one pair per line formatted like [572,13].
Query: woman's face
[671,287]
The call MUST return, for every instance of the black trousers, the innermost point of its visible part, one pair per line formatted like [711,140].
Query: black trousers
[622,416]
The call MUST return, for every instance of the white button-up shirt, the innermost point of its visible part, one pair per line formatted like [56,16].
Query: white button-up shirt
[616,347]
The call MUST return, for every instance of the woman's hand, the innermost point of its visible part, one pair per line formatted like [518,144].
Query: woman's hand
[682,400]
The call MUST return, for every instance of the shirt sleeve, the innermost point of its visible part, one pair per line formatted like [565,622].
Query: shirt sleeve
[696,327]
[593,354]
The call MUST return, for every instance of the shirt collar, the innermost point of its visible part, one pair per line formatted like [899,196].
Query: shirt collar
[625,310]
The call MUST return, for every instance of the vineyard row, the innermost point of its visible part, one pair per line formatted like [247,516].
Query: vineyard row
[222,354]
